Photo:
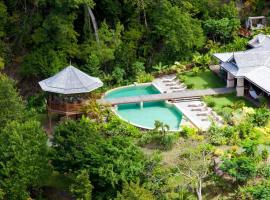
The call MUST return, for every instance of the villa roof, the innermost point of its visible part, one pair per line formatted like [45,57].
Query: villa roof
[70,81]
[261,78]
[252,64]
[251,58]
[224,57]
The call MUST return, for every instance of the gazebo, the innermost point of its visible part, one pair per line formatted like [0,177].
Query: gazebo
[257,22]
[67,91]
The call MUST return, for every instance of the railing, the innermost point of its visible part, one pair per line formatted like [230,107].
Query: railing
[64,107]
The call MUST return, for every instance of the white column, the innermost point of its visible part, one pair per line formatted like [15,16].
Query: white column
[240,87]
[230,80]
[141,104]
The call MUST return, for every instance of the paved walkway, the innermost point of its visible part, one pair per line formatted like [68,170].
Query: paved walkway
[167,96]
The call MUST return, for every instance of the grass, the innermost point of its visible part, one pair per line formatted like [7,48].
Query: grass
[225,104]
[204,79]
[221,101]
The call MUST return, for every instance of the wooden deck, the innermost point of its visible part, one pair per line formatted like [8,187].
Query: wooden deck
[166,96]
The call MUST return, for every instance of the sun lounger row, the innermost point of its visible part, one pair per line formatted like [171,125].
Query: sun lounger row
[205,112]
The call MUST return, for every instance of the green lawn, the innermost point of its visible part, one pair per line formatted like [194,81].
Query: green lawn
[203,80]
[227,99]
[224,105]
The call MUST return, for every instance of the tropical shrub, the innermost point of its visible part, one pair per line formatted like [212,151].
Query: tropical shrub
[259,191]
[260,117]
[143,77]
[110,161]
[116,126]
[217,136]
[37,102]
[160,137]
[158,140]
[241,168]
[24,158]
[265,154]
[264,171]
[133,191]
[11,104]
[221,29]
[81,187]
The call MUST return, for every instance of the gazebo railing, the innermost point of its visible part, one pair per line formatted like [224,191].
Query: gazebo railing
[65,107]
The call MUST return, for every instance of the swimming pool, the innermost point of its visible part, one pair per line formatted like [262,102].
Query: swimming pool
[129,91]
[146,115]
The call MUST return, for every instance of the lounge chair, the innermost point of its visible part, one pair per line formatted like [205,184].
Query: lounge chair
[200,109]
[169,77]
[204,119]
[178,90]
[196,105]
[202,114]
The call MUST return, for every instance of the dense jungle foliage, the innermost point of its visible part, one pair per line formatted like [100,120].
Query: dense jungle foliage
[100,156]
[115,40]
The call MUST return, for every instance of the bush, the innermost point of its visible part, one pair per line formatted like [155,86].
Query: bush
[188,131]
[182,78]
[37,102]
[259,191]
[211,104]
[81,187]
[216,136]
[11,104]
[221,29]
[134,191]
[260,117]
[209,101]
[144,77]
[264,171]
[265,154]
[241,168]
[190,86]
[78,145]
[168,141]
[116,126]
[195,71]
[160,141]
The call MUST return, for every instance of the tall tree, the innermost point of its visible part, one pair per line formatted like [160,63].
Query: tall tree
[11,104]
[23,158]
[110,161]
[194,166]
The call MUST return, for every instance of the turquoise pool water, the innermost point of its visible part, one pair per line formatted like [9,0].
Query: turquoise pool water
[150,112]
[131,91]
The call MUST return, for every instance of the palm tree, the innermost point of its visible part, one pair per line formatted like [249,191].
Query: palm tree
[161,127]
[159,67]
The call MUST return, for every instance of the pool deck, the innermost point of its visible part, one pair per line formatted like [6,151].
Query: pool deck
[201,117]
[166,96]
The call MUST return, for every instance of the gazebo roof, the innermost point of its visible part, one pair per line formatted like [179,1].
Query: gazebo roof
[70,81]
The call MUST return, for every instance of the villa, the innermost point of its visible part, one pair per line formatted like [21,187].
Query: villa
[248,71]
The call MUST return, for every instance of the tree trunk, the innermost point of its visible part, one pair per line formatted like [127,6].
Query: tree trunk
[145,20]
[199,190]
[94,22]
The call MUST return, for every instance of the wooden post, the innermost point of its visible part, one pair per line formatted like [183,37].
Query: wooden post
[50,120]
